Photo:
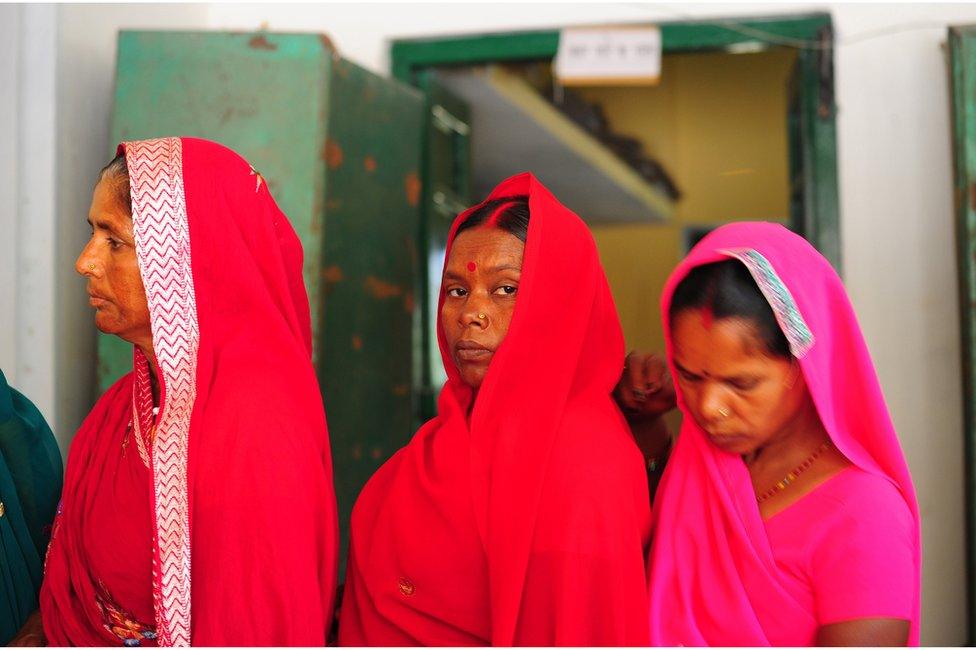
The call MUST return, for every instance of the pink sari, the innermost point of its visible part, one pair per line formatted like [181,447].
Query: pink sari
[213,522]
[713,576]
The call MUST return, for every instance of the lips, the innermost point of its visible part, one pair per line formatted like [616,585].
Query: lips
[726,441]
[471,352]
[96,300]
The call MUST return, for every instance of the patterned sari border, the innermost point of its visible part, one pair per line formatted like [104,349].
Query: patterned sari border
[162,237]
[779,298]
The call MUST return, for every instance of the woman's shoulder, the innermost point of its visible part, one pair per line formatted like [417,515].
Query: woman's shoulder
[860,492]
[857,503]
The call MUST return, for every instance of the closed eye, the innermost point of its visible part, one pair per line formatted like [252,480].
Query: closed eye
[743,384]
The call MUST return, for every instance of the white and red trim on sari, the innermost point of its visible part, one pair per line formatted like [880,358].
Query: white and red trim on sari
[162,240]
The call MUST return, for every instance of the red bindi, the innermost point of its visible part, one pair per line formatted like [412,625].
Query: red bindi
[472,267]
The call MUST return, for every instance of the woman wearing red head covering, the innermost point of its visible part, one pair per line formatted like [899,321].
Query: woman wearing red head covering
[517,516]
[198,503]
[786,515]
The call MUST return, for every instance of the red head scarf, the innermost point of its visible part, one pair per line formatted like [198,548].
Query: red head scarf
[524,526]
[713,579]
[232,527]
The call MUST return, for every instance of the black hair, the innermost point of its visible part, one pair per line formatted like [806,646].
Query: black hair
[117,174]
[514,219]
[728,290]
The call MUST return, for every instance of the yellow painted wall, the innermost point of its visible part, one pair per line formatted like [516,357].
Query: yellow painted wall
[717,123]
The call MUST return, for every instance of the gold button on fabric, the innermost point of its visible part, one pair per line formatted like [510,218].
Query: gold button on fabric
[3,509]
[406,587]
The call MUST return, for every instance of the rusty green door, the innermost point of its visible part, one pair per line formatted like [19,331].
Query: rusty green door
[340,148]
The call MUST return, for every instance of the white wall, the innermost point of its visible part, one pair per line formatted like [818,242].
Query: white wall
[896,209]
[895,174]
[28,199]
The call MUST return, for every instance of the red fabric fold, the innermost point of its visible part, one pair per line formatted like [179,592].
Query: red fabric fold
[525,526]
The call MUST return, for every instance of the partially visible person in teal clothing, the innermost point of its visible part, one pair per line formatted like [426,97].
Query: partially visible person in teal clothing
[30,487]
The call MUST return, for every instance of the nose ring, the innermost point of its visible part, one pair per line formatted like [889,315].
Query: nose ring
[724,412]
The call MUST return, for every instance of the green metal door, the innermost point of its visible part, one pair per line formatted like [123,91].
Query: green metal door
[962,53]
[340,148]
[447,188]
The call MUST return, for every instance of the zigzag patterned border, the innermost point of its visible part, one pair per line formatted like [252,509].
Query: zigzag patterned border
[162,238]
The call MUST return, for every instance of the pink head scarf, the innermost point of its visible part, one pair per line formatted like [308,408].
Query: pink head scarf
[712,575]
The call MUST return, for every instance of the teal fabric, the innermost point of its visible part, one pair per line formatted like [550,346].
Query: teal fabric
[31,474]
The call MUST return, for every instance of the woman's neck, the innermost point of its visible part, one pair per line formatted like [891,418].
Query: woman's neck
[797,439]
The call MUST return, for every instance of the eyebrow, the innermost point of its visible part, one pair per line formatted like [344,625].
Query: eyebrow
[505,267]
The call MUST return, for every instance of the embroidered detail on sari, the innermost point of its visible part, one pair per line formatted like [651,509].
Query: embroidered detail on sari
[142,405]
[779,298]
[119,622]
[162,235]
[55,527]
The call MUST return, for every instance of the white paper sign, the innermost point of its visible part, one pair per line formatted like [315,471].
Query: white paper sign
[608,56]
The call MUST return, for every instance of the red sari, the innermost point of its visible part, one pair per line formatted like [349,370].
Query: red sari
[524,524]
[213,522]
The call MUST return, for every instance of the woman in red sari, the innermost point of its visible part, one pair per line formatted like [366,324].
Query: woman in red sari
[519,515]
[198,503]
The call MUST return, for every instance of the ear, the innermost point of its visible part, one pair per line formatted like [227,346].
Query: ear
[794,374]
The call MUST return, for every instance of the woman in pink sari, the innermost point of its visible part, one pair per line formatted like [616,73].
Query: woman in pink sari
[786,515]
[198,503]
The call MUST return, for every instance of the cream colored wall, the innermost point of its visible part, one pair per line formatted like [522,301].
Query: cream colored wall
[717,123]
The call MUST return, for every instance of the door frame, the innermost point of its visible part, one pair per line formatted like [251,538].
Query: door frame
[962,47]
[811,34]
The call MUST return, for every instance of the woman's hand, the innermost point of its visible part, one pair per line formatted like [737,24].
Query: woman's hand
[645,389]
[32,634]
[645,393]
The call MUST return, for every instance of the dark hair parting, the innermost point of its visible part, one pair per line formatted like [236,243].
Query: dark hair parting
[513,218]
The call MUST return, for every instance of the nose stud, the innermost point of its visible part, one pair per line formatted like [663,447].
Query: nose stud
[91,267]
[724,412]
[482,316]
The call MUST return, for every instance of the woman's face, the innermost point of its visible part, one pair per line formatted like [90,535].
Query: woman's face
[109,263]
[480,284]
[739,394]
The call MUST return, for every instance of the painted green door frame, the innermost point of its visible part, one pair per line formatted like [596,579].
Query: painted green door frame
[811,34]
[962,48]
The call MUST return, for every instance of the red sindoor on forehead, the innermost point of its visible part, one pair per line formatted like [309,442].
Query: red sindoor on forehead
[493,219]
[707,316]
